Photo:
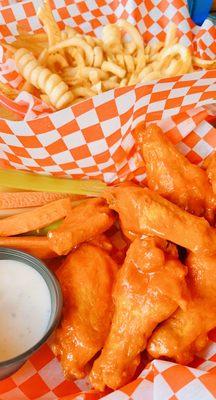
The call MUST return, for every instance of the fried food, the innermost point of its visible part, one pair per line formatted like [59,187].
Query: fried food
[86,278]
[149,288]
[82,224]
[53,62]
[142,211]
[42,78]
[171,174]
[210,165]
[185,332]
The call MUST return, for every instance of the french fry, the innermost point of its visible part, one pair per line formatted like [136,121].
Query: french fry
[129,63]
[109,84]
[173,51]
[35,219]
[82,91]
[87,64]
[201,63]
[56,62]
[50,26]
[132,31]
[171,37]
[75,42]
[75,56]
[43,79]
[108,66]
[130,47]
[98,56]
[112,39]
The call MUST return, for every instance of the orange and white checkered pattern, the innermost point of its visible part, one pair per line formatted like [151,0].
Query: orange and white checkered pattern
[41,378]
[94,139]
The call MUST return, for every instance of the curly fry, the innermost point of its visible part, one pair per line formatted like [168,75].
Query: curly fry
[50,25]
[206,64]
[171,37]
[176,50]
[132,31]
[108,66]
[75,56]
[112,38]
[75,42]
[56,62]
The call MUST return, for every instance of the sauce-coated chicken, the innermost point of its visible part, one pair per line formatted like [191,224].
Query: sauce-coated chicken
[149,288]
[173,176]
[185,332]
[86,279]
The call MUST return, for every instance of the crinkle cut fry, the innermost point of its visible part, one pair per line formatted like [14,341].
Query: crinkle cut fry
[86,221]
[148,289]
[172,175]
[143,211]
[86,278]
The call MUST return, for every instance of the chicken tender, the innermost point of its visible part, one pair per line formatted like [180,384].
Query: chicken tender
[86,279]
[185,332]
[172,175]
[149,288]
[143,211]
[89,219]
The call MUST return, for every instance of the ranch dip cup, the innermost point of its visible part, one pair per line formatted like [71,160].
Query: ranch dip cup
[30,307]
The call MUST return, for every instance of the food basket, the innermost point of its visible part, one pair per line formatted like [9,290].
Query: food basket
[94,139]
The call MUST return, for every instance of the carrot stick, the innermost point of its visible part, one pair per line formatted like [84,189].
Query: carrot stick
[14,211]
[36,246]
[91,218]
[36,219]
[10,200]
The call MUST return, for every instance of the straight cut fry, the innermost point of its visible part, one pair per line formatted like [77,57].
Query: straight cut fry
[36,246]
[36,219]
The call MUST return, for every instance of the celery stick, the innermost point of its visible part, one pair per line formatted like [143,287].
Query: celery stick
[44,231]
[42,183]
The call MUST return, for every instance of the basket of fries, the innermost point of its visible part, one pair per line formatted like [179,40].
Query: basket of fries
[76,82]
[76,78]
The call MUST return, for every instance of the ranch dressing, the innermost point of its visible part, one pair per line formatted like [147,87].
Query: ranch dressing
[25,308]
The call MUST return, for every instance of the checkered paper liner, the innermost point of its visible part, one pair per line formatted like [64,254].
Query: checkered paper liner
[94,139]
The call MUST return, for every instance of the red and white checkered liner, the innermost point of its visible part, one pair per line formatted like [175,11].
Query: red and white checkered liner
[94,139]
